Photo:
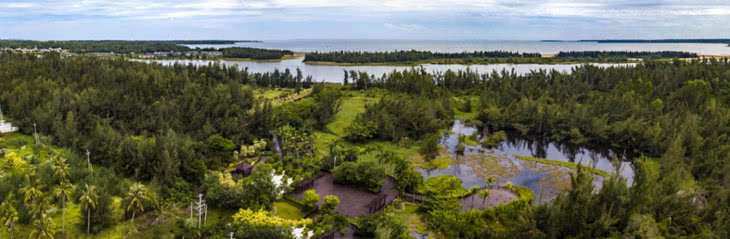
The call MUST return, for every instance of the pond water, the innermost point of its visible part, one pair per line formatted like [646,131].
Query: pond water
[335,74]
[545,180]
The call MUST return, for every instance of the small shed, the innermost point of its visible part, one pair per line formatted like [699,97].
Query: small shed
[243,169]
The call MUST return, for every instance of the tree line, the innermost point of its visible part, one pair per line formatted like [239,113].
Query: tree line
[405,56]
[627,54]
[255,53]
[120,47]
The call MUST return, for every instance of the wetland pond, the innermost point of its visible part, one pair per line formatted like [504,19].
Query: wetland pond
[545,180]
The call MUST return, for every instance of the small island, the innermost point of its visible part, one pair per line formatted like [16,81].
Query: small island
[414,57]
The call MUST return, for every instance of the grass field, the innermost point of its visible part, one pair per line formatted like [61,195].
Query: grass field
[287,210]
[353,103]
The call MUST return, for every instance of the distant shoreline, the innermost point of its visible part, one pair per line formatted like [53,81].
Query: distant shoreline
[703,41]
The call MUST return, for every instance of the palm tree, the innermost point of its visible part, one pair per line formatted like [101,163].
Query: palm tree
[8,214]
[88,201]
[31,188]
[137,197]
[484,195]
[63,192]
[43,228]
[39,207]
[60,167]
[491,180]
[472,191]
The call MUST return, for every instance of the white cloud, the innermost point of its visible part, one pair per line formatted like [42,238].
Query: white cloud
[520,8]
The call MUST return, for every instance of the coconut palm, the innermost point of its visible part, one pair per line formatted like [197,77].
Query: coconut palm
[40,206]
[137,196]
[61,169]
[63,192]
[88,201]
[491,180]
[473,190]
[484,194]
[8,214]
[43,228]
[31,188]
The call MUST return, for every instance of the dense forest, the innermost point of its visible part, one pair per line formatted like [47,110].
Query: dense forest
[120,47]
[166,126]
[405,56]
[627,54]
[159,135]
[674,113]
[255,53]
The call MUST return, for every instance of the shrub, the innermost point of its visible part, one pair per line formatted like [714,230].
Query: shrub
[494,139]
[310,199]
[330,204]
[363,173]
[430,147]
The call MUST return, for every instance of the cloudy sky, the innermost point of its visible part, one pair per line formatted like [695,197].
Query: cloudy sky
[357,19]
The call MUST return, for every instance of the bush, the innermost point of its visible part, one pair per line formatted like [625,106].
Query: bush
[408,180]
[310,199]
[494,139]
[430,147]
[218,151]
[223,195]
[330,204]
[363,173]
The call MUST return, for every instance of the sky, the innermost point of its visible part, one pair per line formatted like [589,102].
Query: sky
[363,19]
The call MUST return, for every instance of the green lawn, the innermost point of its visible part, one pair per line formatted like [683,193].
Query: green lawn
[269,93]
[287,210]
[353,103]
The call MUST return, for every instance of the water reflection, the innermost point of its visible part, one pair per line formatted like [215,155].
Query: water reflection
[545,180]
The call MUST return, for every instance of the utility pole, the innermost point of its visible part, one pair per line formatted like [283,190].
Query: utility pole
[35,133]
[230,234]
[200,207]
[88,159]
[2,119]
[205,215]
